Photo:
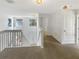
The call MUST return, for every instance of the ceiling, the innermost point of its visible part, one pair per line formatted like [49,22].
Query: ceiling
[49,6]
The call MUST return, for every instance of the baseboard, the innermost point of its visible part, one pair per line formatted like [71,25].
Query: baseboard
[68,43]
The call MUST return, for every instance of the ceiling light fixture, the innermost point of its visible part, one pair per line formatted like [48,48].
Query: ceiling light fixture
[10,1]
[39,1]
[66,7]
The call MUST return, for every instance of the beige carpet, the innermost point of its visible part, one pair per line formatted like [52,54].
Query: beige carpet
[52,50]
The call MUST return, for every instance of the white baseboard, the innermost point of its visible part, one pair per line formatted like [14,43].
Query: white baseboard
[67,42]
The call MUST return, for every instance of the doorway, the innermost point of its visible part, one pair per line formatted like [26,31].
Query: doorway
[69,28]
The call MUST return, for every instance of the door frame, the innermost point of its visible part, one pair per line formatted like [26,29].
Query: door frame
[76,27]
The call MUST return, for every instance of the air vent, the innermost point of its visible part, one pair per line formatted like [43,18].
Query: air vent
[10,1]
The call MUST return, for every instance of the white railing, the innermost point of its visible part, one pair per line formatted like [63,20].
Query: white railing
[10,39]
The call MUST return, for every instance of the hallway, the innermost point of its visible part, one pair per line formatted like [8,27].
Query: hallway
[52,50]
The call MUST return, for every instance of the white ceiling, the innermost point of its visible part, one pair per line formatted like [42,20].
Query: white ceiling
[49,6]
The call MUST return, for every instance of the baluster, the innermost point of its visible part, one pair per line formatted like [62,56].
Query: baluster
[0,42]
[14,36]
[12,39]
[15,39]
[4,40]
[8,39]
[18,38]
[21,39]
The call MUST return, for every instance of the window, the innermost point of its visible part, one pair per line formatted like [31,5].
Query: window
[33,22]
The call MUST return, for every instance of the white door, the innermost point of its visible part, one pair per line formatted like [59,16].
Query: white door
[29,31]
[69,28]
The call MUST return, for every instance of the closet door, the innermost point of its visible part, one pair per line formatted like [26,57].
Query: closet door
[69,27]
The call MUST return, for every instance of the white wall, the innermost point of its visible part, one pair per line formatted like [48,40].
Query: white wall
[44,18]
[55,25]
[7,13]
